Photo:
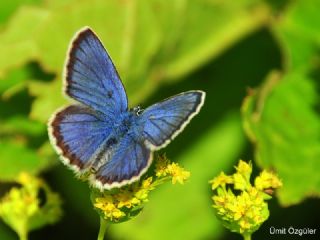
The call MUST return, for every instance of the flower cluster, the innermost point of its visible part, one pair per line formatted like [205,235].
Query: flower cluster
[23,209]
[165,169]
[246,211]
[115,206]
[122,204]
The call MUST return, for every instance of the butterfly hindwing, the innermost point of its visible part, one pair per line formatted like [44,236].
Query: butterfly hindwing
[91,77]
[164,120]
[128,162]
[77,134]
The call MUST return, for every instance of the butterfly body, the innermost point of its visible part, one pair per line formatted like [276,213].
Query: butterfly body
[125,125]
[100,135]
[129,124]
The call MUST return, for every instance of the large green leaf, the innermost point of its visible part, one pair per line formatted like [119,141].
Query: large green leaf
[148,40]
[17,45]
[13,83]
[49,97]
[7,8]
[173,210]
[282,122]
[280,118]
[21,125]
[298,33]
[128,30]
[199,30]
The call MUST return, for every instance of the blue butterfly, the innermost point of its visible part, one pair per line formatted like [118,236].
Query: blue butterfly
[99,134]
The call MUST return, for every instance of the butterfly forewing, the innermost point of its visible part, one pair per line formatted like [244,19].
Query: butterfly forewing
[80,132]
[91,77]
[164,120]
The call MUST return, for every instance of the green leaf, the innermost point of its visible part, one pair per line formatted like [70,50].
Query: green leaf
[282,122]
[17,158]
[6,233]
[17,45]
[7,8]
[280,118]
[21,125]
[173,210]
[298,33]
[191,33]
[198,30]
[127,29]
[13,82]
[49,98]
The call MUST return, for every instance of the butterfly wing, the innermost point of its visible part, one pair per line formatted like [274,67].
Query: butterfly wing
[91,77]
[164,120]
[78,133]
[130,159]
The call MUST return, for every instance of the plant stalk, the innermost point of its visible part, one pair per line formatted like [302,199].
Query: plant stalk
[23,235]
[247,236]
[103,228]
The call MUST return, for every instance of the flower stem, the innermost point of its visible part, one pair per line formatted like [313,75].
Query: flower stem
[160,181]
[246,236]
[23,235]
[103,228]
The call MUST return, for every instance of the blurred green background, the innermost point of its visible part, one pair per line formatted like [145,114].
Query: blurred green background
[258,61]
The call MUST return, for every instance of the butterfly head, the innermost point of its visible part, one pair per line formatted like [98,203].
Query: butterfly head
[137,110]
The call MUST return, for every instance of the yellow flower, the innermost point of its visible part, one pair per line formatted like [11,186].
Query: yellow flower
[165,168]
[244,225]
[117,213]
[117,205]
[240,181]
[242,209]
[161,166]
[124,203]
[244,168]
[147,183]
[178,173]
[247,210]
[109,209]
[24,178]
[266,180]
[219,200]
[221,180]
[126,199]
[20,208]
[143,192]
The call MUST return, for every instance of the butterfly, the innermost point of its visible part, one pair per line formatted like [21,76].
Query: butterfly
[99,134]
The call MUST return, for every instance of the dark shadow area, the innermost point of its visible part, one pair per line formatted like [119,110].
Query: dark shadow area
[225,81]
[304,215]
